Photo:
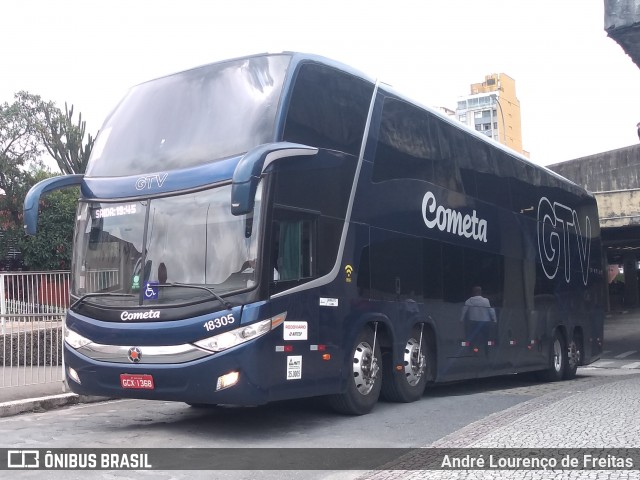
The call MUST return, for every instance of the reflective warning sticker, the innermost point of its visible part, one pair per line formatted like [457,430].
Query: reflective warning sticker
[294,367]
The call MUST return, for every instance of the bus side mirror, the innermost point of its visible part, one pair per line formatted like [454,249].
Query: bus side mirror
[249,170]
[32,199]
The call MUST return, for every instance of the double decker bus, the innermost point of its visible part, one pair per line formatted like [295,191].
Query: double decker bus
[282,226]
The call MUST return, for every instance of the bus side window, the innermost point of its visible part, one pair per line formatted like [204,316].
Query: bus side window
[451,146]
[405,147]
[328,109]
[292,248]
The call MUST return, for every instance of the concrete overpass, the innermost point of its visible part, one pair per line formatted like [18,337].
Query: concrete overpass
[622,24]
[614,178]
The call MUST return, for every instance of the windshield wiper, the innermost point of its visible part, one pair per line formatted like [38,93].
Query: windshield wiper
[99,294]
[224,302]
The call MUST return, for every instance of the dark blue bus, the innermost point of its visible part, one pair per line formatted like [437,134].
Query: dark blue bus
[281,226]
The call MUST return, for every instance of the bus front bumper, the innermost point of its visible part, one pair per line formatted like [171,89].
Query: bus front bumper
[231,377]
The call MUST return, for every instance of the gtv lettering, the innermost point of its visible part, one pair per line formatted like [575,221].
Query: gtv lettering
[149,181]
[556,222]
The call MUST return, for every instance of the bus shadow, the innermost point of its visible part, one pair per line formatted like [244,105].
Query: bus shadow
[521,383]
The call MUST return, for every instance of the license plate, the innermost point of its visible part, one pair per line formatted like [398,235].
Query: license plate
[136,381]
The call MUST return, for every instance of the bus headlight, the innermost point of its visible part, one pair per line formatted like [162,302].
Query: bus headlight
[226,340]
[74,339]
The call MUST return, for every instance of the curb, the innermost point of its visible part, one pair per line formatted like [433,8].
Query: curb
[43,404]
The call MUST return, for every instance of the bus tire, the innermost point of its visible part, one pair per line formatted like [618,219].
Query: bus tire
[574,357]
[363,388]
[406,385]
[557,362]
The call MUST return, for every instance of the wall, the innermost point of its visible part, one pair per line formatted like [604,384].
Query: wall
[603,172]
[614,178]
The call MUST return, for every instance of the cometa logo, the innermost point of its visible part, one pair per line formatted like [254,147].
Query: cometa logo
[451,221]
[148,315]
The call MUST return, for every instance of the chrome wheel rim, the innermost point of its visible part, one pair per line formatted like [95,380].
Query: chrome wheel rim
[414,362]
[557,355]
[365,368]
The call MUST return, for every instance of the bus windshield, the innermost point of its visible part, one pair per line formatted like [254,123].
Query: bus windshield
[191,118]
[175,245]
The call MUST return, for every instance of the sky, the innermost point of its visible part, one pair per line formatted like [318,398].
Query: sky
[577,87]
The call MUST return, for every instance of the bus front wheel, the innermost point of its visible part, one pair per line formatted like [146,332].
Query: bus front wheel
[363,388]
[405,383]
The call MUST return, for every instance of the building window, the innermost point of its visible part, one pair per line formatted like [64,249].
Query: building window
[495,125]
[463,118]
[477,114]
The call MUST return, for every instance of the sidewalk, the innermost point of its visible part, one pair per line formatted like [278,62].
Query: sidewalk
[599,414]
[39,397]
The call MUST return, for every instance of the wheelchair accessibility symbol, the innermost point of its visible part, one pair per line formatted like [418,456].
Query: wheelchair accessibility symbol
[151,291]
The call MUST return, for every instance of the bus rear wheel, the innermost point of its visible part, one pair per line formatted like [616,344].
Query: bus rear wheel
[363,388]
[407,383]
[558,359]
[574,357]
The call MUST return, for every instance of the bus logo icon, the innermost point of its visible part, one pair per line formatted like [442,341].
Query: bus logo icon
[135,355]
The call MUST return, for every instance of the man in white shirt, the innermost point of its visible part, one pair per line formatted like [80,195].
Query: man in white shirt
[479,318]
[477,308]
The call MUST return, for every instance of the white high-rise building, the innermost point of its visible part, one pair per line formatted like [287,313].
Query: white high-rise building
[493,109]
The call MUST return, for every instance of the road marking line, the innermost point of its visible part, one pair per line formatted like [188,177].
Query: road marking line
[631,365]
[625,354]
[601,363]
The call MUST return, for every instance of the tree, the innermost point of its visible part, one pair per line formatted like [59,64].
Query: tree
[19,149]
[64,139]
[11,218]
[28,128]
[31,125]
[19,138]
[51,248]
